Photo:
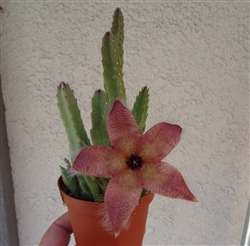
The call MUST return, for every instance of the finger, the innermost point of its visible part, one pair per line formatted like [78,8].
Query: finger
[58,233]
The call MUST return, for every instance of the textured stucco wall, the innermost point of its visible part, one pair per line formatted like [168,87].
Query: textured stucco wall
[194,57]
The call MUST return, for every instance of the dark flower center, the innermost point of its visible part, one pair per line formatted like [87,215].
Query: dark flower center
[134,162]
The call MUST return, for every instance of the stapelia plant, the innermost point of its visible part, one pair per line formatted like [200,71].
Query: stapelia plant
[89,187]
[121,160]
[132,161]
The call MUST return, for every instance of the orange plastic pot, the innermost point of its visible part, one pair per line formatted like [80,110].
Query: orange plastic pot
[86,225]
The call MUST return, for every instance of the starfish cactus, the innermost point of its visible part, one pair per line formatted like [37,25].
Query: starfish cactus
[133,161]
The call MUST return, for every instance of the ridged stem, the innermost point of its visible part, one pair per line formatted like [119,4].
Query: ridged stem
[71,117]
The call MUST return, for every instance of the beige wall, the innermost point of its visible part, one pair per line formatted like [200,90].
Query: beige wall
[194,57]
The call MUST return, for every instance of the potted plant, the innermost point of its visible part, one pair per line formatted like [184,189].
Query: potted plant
[110,180]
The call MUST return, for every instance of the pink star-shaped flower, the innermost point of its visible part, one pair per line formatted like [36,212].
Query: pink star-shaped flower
[133,161]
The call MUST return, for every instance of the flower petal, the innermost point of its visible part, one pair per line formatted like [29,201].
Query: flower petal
[101,161]
[122,128]
[159,141]
[121,197]
[166,180]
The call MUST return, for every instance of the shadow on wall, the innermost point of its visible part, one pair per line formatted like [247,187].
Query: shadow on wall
[9,234]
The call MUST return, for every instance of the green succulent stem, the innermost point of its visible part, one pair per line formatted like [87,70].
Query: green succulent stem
[70,182]
[117,30]
[99,135]
[112,66]
[93,187]
[85,192]
[140,108]
[71,117]
[112,59]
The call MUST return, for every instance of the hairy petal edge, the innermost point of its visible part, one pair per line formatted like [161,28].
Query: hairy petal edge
[121,197]
[164,179]
[159,141]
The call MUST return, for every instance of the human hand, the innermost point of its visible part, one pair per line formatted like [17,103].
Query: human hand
[58,233]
